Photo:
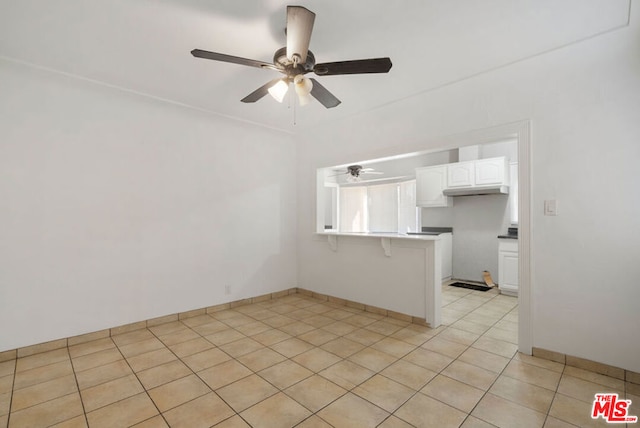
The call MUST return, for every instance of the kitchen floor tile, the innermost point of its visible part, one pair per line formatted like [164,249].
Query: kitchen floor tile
[43,359]
[246,392]
[394,347]
[41,392]
[204,411]
[384,392]
[276,411]
[48,413]
[123,413]
[91,347]
[372,359]
[96,359]
[241,347]
[408,374]
[291,347]
[505,413]
[445,347]
[316,359]
[317,337]
[179,391]
[532,374]
[223,374]
[343,347]
[205,359]
[261,359]
[285,374]
[484,359]
[151,359]
[352,411]
[109,392]
[470,374]
[347,374]
[423,411]
[365,337]
[454,393]
[101,374]
[42,374]
[190,347]
[526,394]
[163,373]
[315,392]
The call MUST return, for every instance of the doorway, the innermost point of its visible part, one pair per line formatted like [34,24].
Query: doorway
[519,131]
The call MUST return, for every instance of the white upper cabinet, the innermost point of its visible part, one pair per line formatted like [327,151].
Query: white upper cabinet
[461,174]
[491,171]
[482,172]
[430,182]
[458,178]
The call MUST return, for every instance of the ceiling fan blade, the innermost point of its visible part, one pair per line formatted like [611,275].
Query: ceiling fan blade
[299,26]
[321,94]
[358,66]
[260,92]
[199,53]
[371,172]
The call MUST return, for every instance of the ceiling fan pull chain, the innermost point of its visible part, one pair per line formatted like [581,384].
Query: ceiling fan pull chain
[295,110]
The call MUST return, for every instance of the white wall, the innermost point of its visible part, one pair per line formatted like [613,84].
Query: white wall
[477,221]
[583,104]
[116,208]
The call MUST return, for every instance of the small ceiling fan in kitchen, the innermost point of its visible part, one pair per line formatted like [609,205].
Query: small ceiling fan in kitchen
[354,172]
[295,60]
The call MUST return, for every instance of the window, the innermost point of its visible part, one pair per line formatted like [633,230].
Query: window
[379,208]
[352,209]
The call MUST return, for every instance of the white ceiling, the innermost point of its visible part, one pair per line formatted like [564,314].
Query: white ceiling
[144,45]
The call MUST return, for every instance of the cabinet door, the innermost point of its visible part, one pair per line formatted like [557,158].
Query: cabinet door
[508,267]
[430,182]
[490,171]
[460,174]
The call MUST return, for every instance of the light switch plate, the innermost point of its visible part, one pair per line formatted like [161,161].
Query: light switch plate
[551,207]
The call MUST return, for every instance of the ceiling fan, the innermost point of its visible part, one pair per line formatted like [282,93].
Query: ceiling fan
[295,60]
[353,172]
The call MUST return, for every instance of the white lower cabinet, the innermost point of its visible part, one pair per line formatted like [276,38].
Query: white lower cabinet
[508,266]
[447,256]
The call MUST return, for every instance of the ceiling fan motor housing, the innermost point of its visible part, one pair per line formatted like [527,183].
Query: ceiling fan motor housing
[354,170]
[288,67]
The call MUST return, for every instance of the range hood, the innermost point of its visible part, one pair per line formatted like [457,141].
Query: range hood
[477,190]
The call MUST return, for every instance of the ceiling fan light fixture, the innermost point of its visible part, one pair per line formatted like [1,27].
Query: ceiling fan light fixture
[303,87]
[279,90]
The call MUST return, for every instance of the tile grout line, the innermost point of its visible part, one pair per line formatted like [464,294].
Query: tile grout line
[555,395]
[470,346]
[13,383]
[75,376]
[140,382]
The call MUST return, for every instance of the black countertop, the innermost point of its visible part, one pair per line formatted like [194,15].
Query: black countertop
[512,233]
[432,231]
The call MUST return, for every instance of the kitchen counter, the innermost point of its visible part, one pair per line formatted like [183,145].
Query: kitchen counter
[403,274]
[418,236]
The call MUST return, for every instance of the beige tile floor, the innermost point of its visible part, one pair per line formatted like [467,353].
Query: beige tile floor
[298,361]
